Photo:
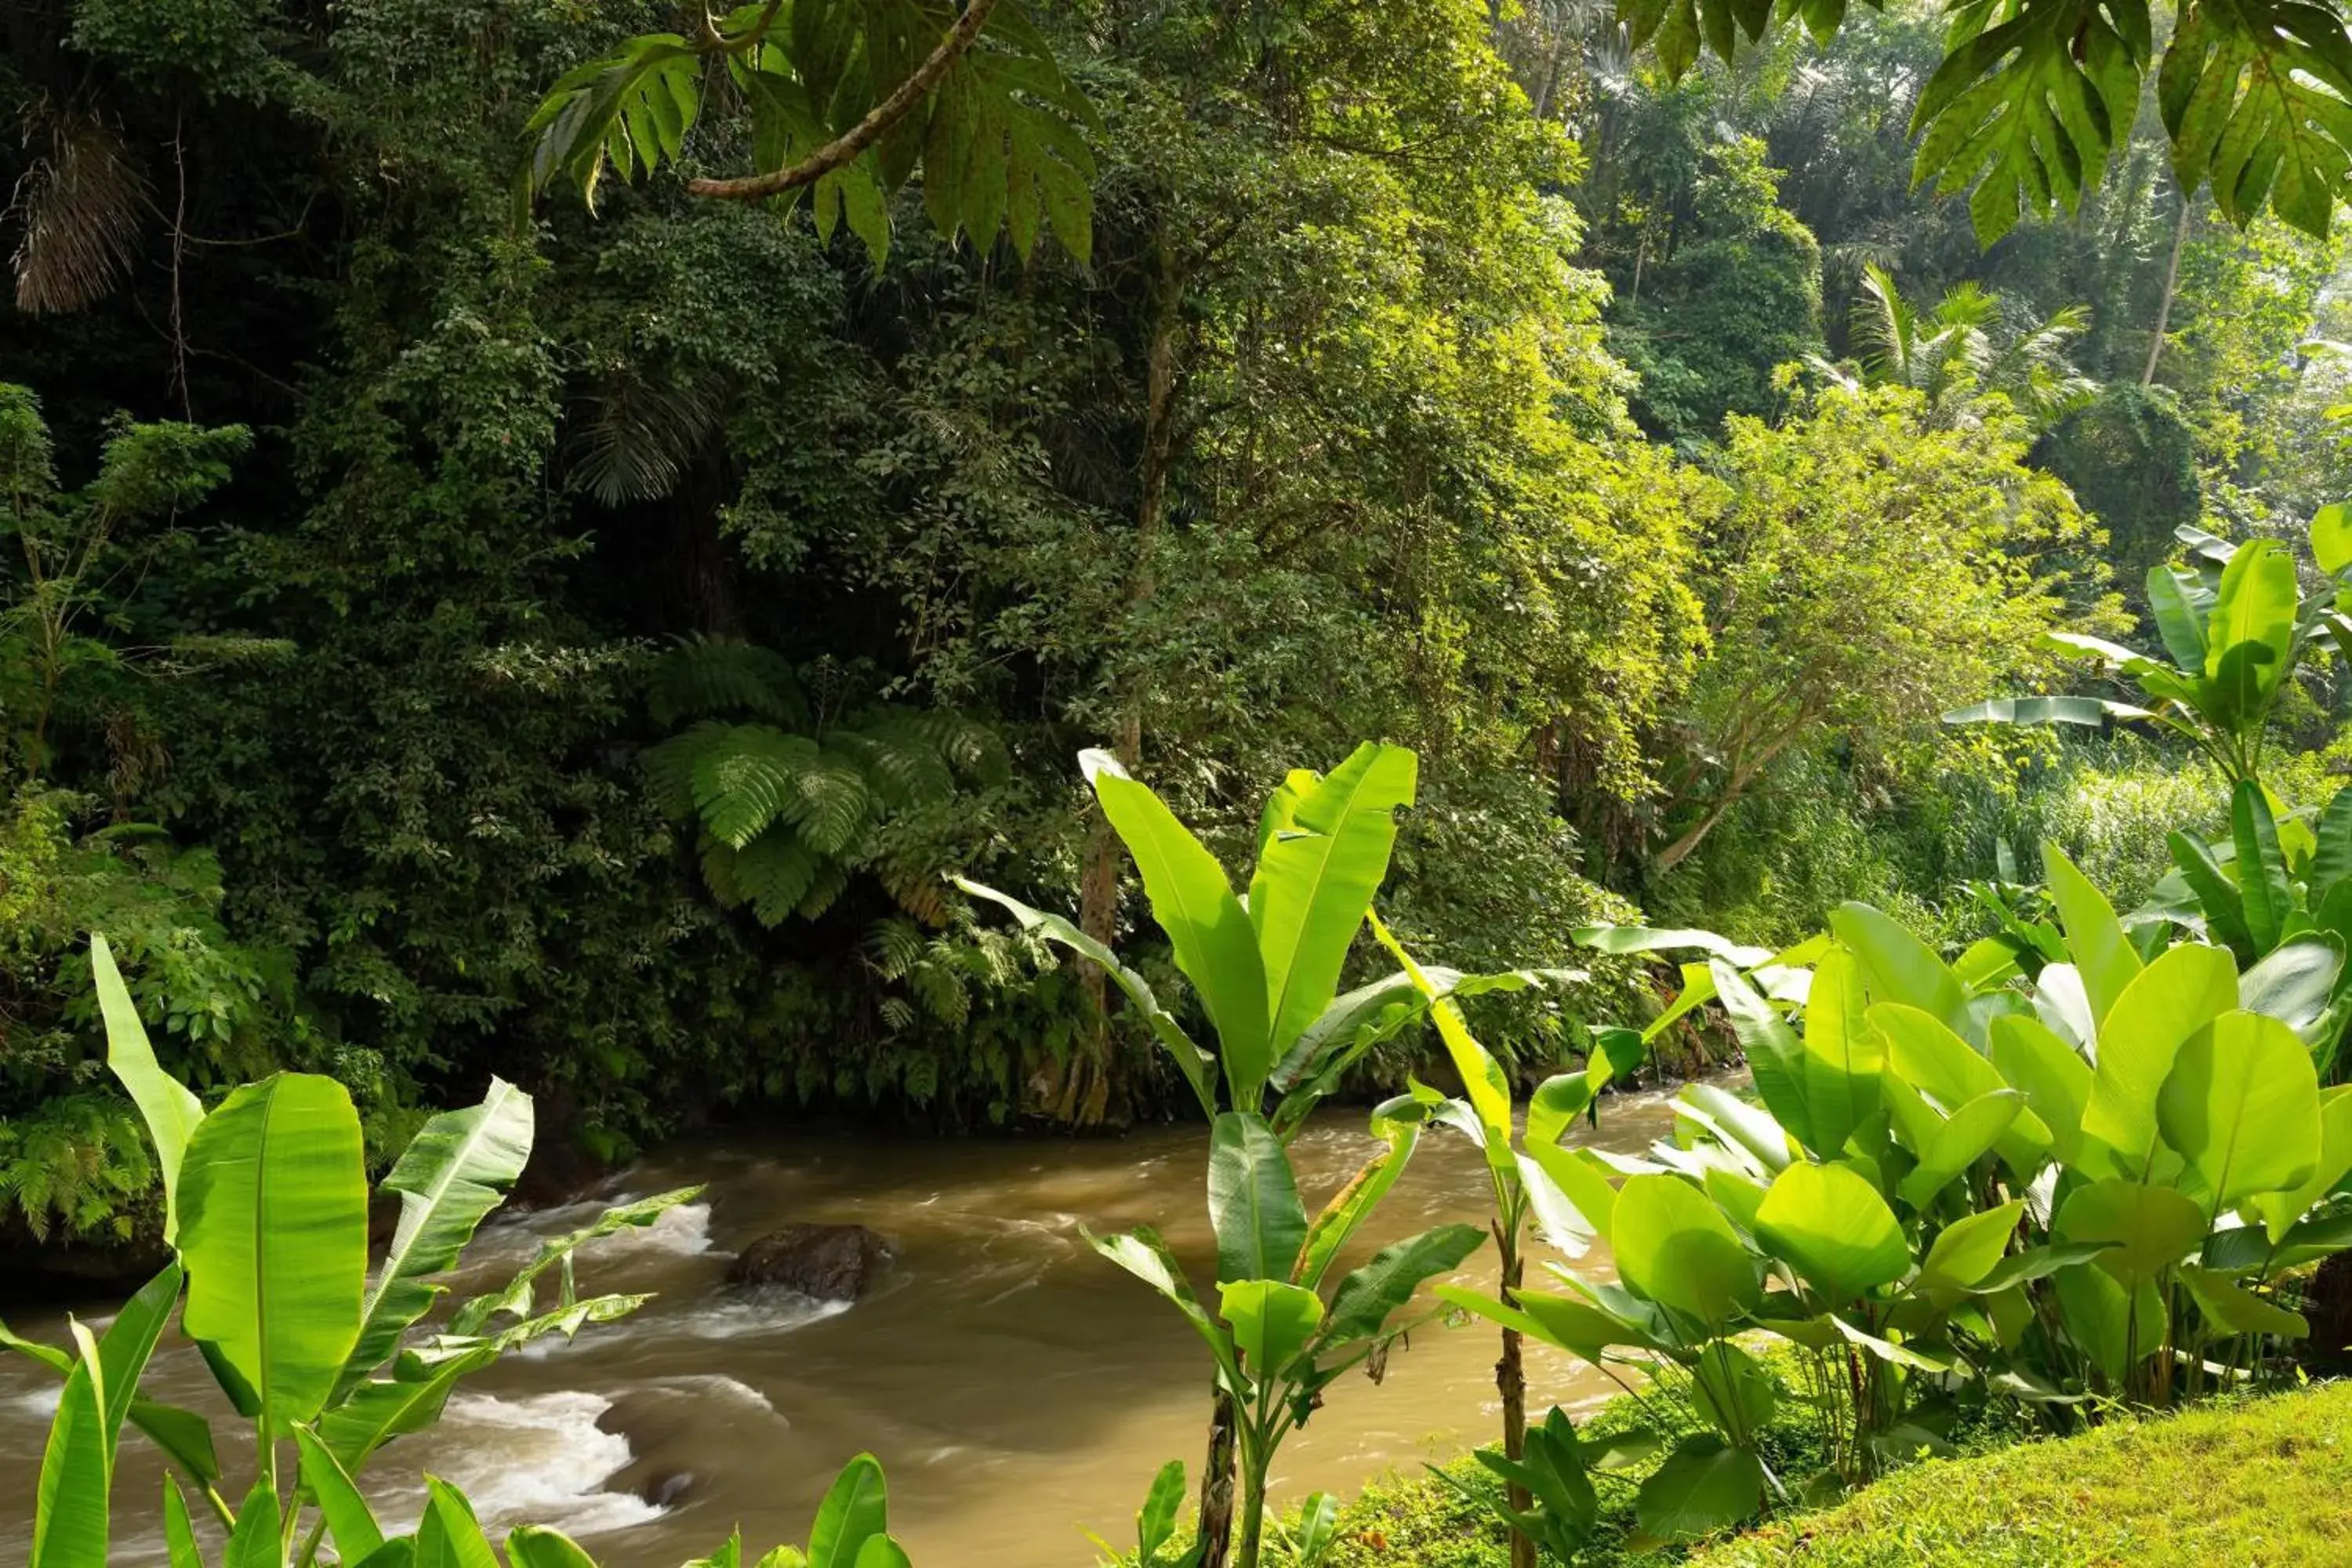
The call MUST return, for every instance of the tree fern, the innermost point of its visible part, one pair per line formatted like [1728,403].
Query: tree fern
[785,818]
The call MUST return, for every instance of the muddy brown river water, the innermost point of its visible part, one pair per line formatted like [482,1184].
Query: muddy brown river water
[1019,1389]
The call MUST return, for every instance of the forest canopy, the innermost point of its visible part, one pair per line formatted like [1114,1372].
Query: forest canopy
[451,626]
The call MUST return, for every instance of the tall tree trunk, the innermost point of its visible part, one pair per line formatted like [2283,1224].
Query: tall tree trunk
[1511,1382]
[1098,878]
[2171,286]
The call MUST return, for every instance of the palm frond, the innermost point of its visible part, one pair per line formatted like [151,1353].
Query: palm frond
[79,202]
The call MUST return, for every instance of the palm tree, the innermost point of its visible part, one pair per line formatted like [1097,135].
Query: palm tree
[1965,349]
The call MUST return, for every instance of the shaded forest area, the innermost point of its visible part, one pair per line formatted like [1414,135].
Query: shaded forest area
[443,639]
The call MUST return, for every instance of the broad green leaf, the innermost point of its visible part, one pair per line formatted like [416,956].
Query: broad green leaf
[2331,537]
[380,1409]
[1968,1249]
[2241,1105]
[1316,878]
[1731,1390]
[2281,1210]
[69,1506]
[1190,1060]
[2037,1263]
[170,1109]
[1252,1200]
[2331,858]
[1843,1055]
[1623,940]
[2216,894]
[179,1530]
[2264,895]
[1705,1486]
[2091,712]
[1580,1328]
[349,1520]
[1142,1254]
[273,1235]
[537,1546]
[129,1341]
[1738,1125]
[856,1510]
[1834,1230]
[453,1173]
[2146,1229]
[2050,1073]
[449,1536]
[1214,944]
[2235,1310]
[881,1551]
[2178,621]
[2103,955]
[1775,1056]
[1581,1182]
[515,1297]
[1155,1523]
[2116,1327]
[2255,603]
[1271,1320]
[2294,982]
[1899,967]
[256,1542]
[1675,1248]
[1930,1057]
[184,1437]
[1891,1350]
[1350,1207]
[2187,987]
[1367,1296]
[1483,1083]
[1958,1141]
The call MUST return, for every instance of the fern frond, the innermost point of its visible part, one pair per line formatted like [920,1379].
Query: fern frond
[833,807]
[669,768]
[747,776]
[712,676]
[831,879]
[898,1014]
[719,875]
[902,759]
[776,873]
[897,946]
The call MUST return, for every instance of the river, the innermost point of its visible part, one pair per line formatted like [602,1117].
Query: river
[1019,1389]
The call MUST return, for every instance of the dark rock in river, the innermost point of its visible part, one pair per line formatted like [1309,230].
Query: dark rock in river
[830,1262]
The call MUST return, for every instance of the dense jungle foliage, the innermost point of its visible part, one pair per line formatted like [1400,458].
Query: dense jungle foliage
[444,638]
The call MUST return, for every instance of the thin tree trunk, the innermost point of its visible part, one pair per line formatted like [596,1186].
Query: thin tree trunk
[1511,1382]
[2171,285]
[1098,880]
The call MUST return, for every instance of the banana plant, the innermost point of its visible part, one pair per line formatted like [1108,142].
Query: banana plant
[2235,627]
[266,1204]
[1155,1527]
[1266,965]
[1959,1186]
[2277,892]
[852,1531]
[1284,1331]
[1521,1176]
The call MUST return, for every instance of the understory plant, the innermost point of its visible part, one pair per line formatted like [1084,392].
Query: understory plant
[1265,968]
[1963,1184]
[267,1216]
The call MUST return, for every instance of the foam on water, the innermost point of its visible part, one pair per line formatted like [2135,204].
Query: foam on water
[718,1385]
[538,1459]
[41,1403]
[742,1315]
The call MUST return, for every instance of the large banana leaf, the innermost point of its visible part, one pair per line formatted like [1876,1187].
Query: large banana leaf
[1253,1201]
[1316,877]
[2104,956]
[1215,943]
[274,1236]
[69,1507]
[165,1104]
[453,1173]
